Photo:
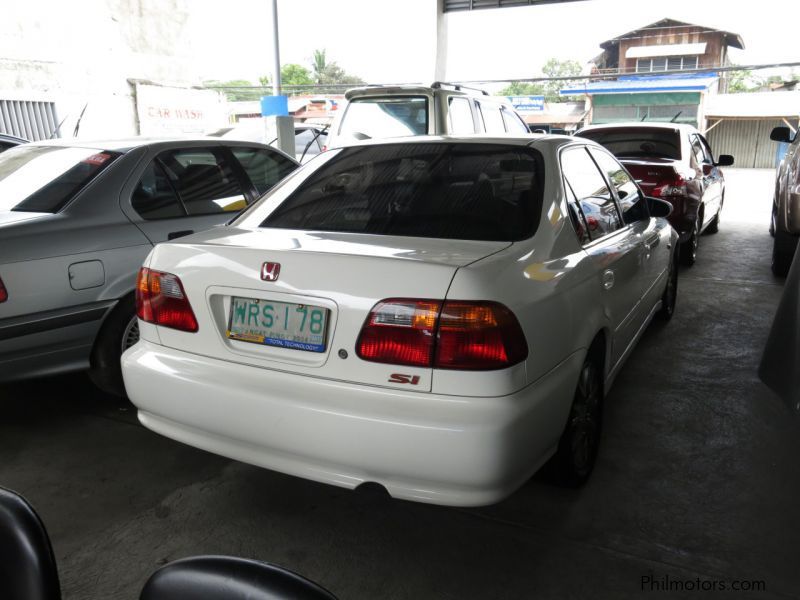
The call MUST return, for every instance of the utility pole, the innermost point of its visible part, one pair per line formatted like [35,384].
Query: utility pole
[276,52]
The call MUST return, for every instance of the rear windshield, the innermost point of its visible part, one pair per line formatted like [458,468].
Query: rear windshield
[636,142]
[46,178]
[452,191]
[367,118]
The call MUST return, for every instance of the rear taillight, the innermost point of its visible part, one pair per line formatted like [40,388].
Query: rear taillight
[160,299]
[400,332]
[443,335]
[3,292]
[478,335]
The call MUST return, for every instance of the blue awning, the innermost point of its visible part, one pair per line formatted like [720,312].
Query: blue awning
[629,84]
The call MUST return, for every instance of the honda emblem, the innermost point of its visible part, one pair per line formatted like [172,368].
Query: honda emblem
[270,271]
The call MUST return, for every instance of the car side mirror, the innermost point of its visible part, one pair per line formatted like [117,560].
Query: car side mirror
[724,160]
[781,134]
[658,207]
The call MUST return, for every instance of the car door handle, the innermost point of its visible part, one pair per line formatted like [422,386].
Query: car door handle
[650,242]
[608,279]
[176,234]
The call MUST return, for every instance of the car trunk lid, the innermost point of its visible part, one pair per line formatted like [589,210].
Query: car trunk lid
[339,275]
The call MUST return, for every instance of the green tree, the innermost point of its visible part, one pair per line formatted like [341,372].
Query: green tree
[559,68]
[319,64]
[236,90]
[522,88]
[291,75]
[742,80]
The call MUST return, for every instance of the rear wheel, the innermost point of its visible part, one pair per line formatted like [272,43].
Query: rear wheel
[783,249]
[670,296]
[119,332]
[577,449]
[689,247]
[713,227]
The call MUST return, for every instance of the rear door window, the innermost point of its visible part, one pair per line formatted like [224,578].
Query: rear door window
[367,118]
[204,180]
[264,167]
[46,178]
[589,186]
[451,191]
[155,196]
[627,191]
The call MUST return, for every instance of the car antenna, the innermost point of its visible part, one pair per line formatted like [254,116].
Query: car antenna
[57,128]
[78,123]
[678,114]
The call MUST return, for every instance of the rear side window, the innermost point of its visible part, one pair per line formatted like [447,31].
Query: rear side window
[265,168]
[637,142]
[460,116]
[594,199]
[367,118]
[513,123]
[452,191]
[46,178]
[492,119]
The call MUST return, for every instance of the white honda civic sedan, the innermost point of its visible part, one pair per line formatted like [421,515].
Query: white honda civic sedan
[440,316]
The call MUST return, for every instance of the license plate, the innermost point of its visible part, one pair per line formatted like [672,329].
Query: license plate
[283,324]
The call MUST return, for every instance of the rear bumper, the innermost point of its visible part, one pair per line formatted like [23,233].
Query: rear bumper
[51,342]
[425,447]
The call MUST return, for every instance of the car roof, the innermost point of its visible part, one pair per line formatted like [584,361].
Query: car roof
[641,125]
[127,144]
[530,139]
[5,137]
[408,89]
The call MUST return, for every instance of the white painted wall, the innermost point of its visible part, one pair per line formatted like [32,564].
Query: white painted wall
[84,52]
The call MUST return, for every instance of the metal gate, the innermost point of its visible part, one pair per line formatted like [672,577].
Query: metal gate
[747,140]
[28,119]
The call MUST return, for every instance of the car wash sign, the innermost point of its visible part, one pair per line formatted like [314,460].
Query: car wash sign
[165,110]
[527,104]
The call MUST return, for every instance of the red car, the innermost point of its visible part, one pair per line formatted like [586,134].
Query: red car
[673,162]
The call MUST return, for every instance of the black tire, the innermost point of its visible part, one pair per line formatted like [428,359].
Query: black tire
[577,449]
[689,247]
[119,332]
[670,296]
[783,248]
[713,227]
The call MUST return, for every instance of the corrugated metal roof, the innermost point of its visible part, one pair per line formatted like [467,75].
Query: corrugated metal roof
[755,105]
[732,39]
[697,82]
[453,5]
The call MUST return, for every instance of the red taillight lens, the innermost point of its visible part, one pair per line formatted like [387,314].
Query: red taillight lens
[3,292]
[478,336]
[160,299]
[450,335]
[400,332]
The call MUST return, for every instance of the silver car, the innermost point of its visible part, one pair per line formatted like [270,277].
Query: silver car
[785,225]
[76,221]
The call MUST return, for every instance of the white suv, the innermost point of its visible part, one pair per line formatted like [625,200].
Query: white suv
[438,109]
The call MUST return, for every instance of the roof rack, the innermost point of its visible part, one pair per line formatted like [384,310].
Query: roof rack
[457,86]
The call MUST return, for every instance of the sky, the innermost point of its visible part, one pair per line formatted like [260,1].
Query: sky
[386,42]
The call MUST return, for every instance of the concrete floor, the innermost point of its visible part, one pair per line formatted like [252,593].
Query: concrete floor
[697,477]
